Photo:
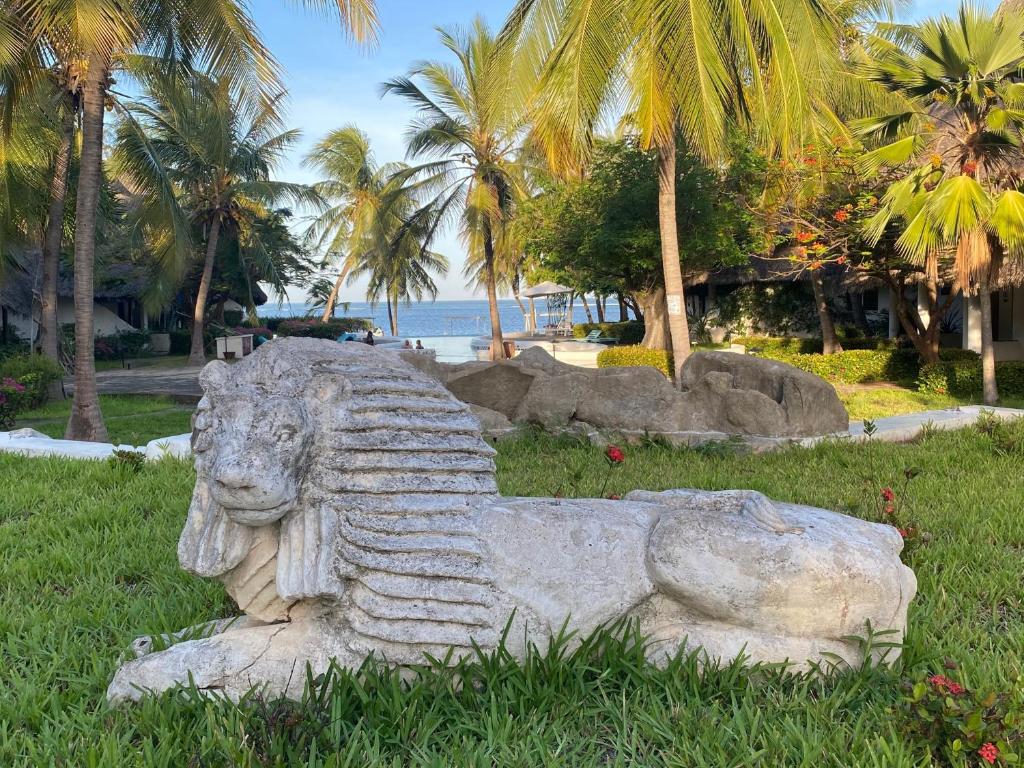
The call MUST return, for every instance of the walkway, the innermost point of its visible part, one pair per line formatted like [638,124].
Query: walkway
[182,384]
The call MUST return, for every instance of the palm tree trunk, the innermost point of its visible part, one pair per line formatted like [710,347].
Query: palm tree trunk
[586,307]
[197,355]
[48,328]
[86,421]
[599,300]
[988,355]
[394,321]
[675,297]
[333,298]
[497,341]
[829,340]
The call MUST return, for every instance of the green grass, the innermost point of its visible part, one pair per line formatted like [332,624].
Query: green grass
[130,419]
[157,361]
[89,563]
[878,401]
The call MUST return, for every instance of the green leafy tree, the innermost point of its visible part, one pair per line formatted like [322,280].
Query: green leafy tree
[957,147]
[600,233]
[681,68]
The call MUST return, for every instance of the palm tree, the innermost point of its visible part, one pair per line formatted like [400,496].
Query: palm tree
[684,70]
[202,155]
[96,36]
[354,186]
[958,144]
[468,131]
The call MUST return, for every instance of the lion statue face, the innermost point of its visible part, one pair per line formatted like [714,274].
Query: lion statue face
[250,446]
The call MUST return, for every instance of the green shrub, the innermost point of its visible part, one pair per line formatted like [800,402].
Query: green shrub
[962,378]
[33,372]
[631,332]
[318,330]
[181,342]
[879,361]
[13,345]
[626,356]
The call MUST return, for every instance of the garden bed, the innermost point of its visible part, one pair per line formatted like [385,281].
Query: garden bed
[90,563]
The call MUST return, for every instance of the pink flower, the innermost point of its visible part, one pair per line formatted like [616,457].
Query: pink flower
[888,494]
[988,752]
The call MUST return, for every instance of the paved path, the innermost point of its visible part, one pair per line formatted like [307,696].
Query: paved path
[898,429]
[179,383]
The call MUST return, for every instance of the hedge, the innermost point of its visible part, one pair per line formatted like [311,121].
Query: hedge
[855,366]
[811,346]
[626,356]
[962,378]
[631,332]
[315,329]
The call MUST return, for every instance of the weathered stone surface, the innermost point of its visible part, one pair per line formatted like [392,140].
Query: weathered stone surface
[721,392]
[348,504]
[807,405]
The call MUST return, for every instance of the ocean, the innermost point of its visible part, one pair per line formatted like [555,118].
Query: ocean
[446,326]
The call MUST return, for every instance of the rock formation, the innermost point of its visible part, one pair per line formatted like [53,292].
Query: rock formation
[348,503]
[721,392]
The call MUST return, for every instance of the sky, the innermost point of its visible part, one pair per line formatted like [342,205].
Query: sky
[333,83]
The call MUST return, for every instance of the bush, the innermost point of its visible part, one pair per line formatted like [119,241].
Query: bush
[33,372]
[317,330]
[14,345]
[626,356]
[181,342]
[962,378]
[631,332]
[880,360]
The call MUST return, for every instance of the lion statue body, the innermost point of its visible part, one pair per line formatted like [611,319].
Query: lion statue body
[349,505]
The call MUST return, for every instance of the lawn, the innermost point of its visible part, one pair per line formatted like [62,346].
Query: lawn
[89,563]
[156,361]
[130,419]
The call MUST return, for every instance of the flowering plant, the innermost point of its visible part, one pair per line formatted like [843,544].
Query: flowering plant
[12,400]
[614,456]
[964,726]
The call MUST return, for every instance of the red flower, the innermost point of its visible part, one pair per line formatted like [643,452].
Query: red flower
[841,216]
[969,168]
[956,689]
[841,260]
[888,494]
[615,454]
[988,752]
[614,497]
[805,237]
[890,508]
[904,532]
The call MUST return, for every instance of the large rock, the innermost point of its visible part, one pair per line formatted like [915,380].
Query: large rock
[721,392]
[739,394]
[348,503]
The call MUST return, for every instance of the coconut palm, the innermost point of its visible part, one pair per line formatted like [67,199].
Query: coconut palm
[353,184]
[201,154]
[681,69]
[958,145]
[468,132]
[96,37]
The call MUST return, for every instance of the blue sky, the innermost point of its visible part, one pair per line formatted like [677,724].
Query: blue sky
[333,83]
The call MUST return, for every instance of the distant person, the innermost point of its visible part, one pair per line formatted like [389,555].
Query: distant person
[407,345]
[419,344]
[369,338]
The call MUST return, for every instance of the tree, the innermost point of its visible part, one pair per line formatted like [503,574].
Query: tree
[96,35]
[957,147]
[683,69]
[352,227]
[471,123]
[599,233]
[202,155]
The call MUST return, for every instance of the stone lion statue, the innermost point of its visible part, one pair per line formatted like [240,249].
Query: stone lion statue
[349,505]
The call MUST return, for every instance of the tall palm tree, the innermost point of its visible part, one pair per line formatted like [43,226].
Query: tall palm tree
[959,145]
[681,69]
[202,154]
[98,36]
[468,133]
[354,185]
